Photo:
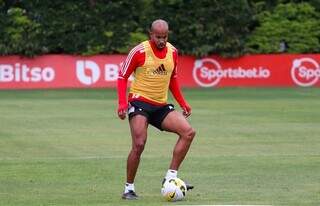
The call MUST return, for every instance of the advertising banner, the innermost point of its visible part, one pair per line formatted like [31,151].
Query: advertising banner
[101,71]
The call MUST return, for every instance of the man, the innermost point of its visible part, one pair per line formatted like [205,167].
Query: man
[154,64]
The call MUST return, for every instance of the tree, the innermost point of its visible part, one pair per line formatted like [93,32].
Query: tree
[19,33]
[297,24]
[88,27]
[206,27]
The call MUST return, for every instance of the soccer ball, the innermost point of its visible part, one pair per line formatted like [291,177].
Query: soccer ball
[174,189]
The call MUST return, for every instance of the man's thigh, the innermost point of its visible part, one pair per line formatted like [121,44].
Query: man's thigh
[138,126]
[175,122]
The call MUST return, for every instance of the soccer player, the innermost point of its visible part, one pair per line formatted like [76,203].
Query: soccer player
[154,64]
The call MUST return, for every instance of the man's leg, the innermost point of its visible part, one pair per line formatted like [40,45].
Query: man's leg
[138,127]
[177,123]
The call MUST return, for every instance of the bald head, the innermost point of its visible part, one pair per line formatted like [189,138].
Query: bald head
[159,33]
[159,24]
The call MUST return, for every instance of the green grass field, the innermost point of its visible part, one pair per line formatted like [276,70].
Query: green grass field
[253,146]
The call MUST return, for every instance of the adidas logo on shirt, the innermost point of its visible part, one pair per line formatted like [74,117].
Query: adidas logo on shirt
[160,70]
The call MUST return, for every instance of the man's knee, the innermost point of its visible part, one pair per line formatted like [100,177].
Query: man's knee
[189,133]
[138,146]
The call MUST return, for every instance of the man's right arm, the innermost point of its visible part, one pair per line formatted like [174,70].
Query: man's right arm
[122,100]
[132,61]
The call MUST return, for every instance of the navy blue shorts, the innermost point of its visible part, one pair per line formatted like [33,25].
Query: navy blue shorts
[154,114]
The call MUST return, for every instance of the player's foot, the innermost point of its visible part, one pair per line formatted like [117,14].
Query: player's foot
[188,185]
[163,181]
[130,195]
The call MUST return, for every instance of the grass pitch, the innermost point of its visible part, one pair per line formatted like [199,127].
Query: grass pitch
[253,146]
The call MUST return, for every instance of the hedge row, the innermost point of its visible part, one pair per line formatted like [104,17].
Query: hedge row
[197,27]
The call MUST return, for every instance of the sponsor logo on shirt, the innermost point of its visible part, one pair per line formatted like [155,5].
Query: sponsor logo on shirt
[161,70]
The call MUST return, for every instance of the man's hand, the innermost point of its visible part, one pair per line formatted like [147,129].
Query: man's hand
[122,111]
[186,110]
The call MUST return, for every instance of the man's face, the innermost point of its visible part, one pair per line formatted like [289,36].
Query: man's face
[159,36]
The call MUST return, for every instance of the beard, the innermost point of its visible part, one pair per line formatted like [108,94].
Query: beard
[161,45]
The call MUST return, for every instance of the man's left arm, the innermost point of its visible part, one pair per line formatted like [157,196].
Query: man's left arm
[177,94]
